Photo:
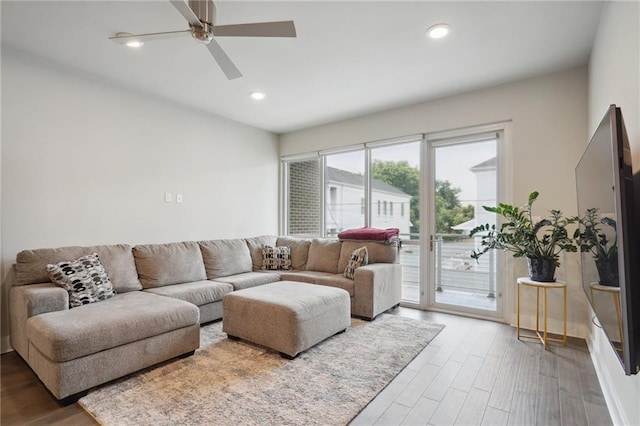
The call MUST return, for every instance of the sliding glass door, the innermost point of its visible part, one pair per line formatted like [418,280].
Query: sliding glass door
[464,179]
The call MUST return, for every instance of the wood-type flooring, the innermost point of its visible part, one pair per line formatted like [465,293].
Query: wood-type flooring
[473,373]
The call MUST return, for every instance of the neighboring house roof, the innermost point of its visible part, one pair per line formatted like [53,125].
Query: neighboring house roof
[490,164]
[466,226]
[354,179]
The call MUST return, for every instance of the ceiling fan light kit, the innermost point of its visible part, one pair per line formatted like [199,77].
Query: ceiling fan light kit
[201,14]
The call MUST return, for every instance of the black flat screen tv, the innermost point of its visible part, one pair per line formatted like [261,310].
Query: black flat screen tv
[609,196]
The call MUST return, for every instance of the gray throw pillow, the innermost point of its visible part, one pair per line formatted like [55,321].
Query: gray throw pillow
[85,279]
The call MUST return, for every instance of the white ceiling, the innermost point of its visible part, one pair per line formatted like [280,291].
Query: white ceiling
[350,58]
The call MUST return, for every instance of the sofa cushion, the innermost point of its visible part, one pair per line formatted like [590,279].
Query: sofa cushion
[129,317]
[377,252]
[255,245]
[324,255]
[358,258]
[337,280]
[276,258]
[172,263]
[225,257]
[250,279]
[199,293]
[84,278]
[320,278]
[303,276]
[299,251]
[31,265]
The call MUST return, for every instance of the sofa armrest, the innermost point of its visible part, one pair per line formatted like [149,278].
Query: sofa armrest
[27,301]
[377,287]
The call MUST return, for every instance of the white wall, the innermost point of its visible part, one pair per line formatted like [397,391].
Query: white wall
[85,162]
[548,132]
[614,78]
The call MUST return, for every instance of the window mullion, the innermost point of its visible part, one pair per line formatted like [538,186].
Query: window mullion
[367,187]
[323,190]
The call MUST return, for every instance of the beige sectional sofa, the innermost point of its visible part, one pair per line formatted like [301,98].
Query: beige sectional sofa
[164,293]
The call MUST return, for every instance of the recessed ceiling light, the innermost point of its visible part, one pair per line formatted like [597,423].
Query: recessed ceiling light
[134,44]
[439,30]
[258,96]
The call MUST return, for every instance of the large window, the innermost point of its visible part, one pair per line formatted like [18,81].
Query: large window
[395,180]
[345,182]
[395,172]
[372,186]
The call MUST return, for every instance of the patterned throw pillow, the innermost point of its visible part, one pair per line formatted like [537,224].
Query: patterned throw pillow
[85,279]
[274,258]
[358,258]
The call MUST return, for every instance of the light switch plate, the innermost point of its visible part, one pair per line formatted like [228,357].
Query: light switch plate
[178,198]
[167,197]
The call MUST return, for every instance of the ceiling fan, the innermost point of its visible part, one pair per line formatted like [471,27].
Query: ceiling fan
[201,16]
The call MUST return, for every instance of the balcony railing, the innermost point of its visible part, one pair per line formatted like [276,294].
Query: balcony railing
[455,270]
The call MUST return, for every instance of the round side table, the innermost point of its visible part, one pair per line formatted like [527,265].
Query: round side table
[542,335]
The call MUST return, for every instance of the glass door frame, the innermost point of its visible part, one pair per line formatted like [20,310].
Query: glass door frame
[427,218]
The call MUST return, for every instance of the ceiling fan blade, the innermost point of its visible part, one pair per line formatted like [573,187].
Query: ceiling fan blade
[258,29]
[124,38]
[223,61]
[185,10]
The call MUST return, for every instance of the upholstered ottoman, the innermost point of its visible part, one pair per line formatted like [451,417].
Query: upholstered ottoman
[288,317]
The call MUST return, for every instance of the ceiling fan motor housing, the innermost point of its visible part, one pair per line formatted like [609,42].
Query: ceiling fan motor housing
[203,35]
[205,10]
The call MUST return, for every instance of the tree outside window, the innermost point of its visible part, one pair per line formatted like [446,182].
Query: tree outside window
[449,211]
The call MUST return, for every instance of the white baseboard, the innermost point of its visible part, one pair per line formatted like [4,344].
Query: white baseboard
[615,410]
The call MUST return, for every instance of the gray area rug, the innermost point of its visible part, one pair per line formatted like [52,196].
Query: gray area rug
[235,383]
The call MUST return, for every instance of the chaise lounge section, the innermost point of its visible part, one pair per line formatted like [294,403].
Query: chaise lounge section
[72,350]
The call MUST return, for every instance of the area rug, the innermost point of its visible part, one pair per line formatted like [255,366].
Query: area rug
[231,382]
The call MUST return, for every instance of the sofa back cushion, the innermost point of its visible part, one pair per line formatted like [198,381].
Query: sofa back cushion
[324,255]
[172,263]
[31,265]
[255,245]
[377,252]
[225,257]
[299,251]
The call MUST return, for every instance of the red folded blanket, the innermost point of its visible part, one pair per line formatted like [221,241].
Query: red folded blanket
[370,234]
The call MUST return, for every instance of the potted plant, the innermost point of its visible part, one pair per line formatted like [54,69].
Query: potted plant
[541,242]
[592,239]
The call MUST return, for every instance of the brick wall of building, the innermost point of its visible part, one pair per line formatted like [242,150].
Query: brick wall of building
[304,198]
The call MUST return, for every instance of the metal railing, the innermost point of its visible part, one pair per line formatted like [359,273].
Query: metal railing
[455,269]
